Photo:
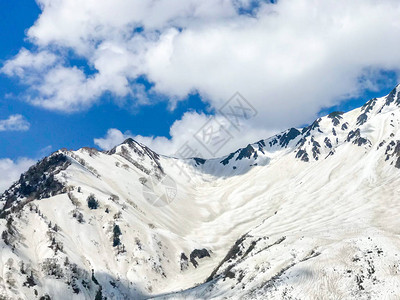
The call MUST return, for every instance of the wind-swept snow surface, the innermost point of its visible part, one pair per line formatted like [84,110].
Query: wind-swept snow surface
[311,213]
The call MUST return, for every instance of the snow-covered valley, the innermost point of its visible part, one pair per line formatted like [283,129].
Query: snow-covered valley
[311,213]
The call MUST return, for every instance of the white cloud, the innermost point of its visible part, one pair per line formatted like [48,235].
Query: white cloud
[112,138]
[289,63]
[26,62]
[11,170]
[14,123]
[45,151]
[183,133]
[288,59]
[65,89]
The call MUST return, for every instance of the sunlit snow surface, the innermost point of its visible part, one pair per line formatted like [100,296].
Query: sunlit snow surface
[276,225]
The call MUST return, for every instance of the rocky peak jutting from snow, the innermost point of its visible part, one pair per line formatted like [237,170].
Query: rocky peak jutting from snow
[320,139]
[79,224]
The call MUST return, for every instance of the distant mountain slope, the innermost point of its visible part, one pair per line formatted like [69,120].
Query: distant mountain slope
[311,213]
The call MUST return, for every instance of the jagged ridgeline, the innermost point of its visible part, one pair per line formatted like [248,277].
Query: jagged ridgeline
[40,180]
[310,212]
[37,183]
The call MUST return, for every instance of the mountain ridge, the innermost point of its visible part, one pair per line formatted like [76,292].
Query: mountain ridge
[269,219]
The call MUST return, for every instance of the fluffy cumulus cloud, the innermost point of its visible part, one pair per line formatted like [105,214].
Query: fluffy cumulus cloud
[112,138]
[289,59]
[14,123]
[194,135]
[11,170]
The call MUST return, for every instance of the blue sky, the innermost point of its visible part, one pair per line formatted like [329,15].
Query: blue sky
[72,71]
[59,130]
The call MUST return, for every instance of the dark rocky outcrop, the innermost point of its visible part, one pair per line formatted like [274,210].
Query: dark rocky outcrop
[289,136]
[328,143]
[366,108]
[303,155]
[261,143]
[199,161]
[227,159]
[38,182]
[246,152]
[369,105]
[392,96]
[233,253]
[315,148]
[336,116]
[357,139]
[353,134]
[184,262]
[393,150]
[198,253]
[314,126]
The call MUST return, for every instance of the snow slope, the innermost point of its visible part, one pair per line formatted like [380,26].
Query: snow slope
[311,213]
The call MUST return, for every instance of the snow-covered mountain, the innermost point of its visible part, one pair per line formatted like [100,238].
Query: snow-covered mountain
[311,213]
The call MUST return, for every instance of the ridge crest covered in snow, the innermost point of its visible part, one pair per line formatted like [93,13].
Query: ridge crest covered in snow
[308,213]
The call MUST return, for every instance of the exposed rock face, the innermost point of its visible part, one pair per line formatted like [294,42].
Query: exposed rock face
[365,109]
[198,254]
[336,117]
[303,155]
[38,182]
[393,151]
[307,213]
[184,262]
[287,137]
[394,96]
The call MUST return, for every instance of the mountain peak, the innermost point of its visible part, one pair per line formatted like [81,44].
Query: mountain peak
[127,224]
[130,141]
[394,96]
